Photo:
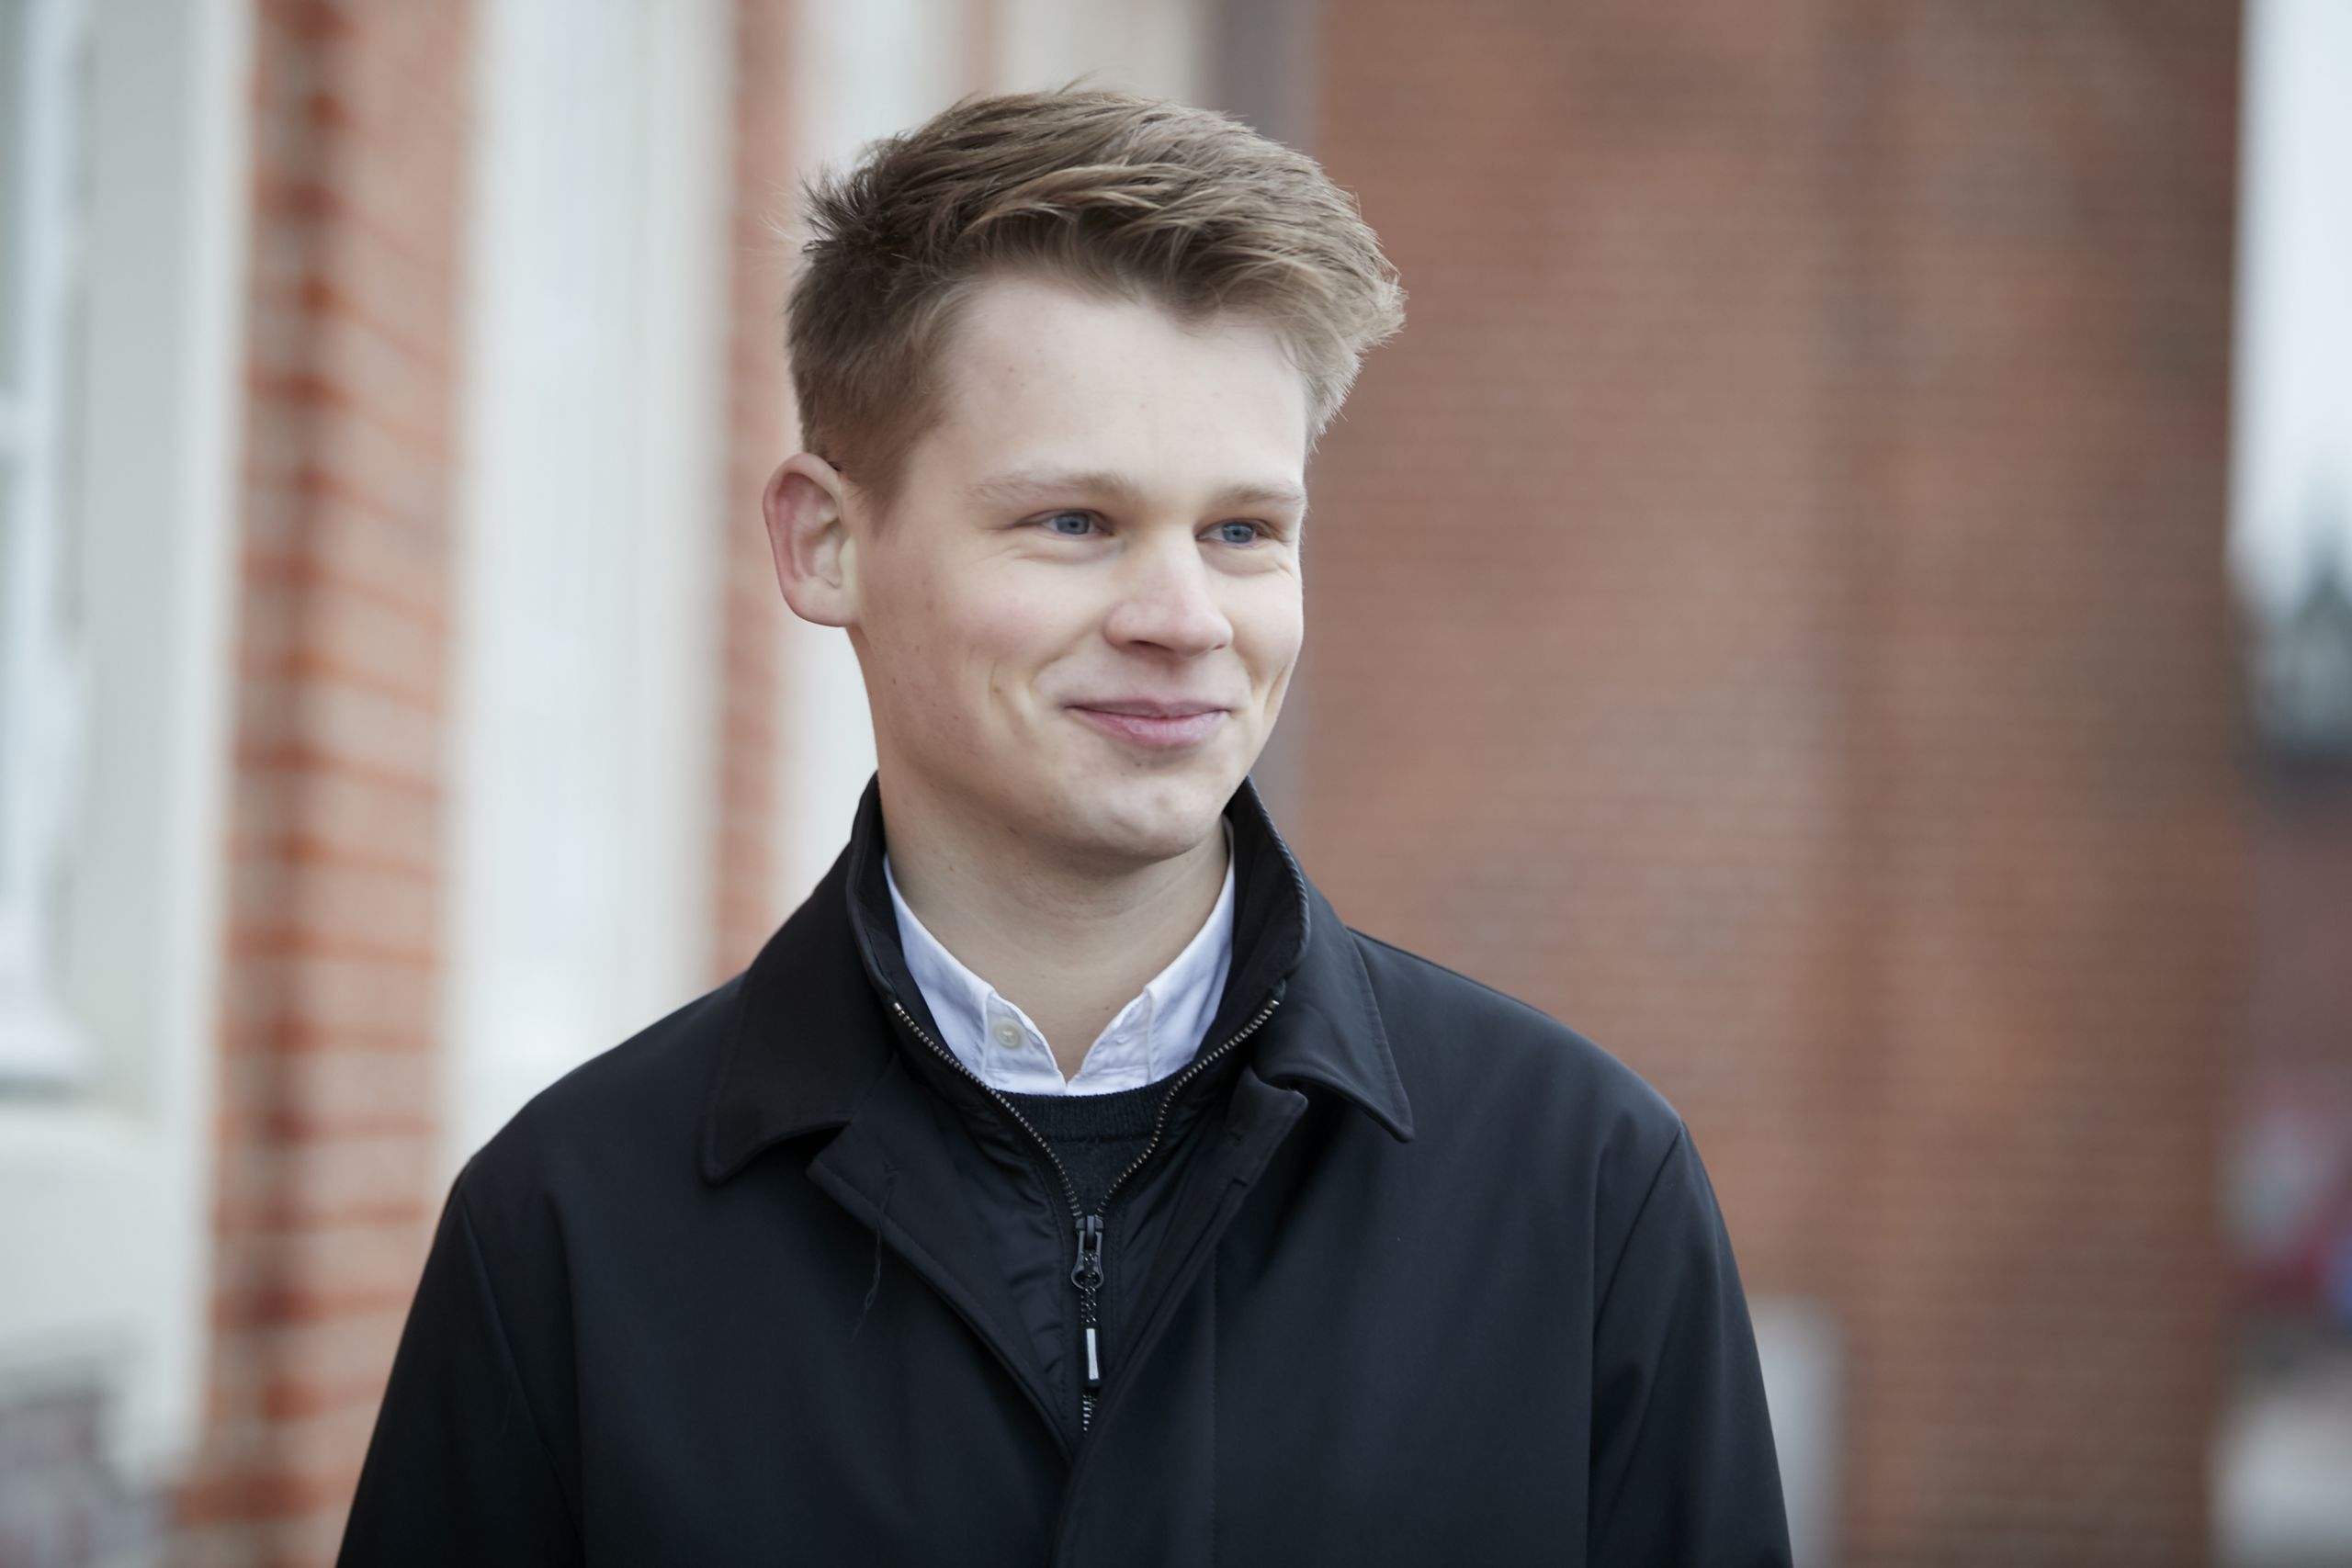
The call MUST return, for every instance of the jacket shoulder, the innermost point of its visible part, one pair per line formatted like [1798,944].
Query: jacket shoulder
[1460,1039]
[635,1105]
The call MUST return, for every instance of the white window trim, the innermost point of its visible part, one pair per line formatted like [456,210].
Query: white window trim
[40,685]
[586,655]
[105,1201]
[858,73]
[1801,1345]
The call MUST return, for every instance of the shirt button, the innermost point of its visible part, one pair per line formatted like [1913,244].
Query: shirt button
[1008,1034]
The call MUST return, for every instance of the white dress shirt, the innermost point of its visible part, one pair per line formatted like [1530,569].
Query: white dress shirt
[1153,1036]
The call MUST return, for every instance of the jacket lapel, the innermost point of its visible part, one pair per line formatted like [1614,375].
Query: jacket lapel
[812,1052]
[1325,1031]
[891,1169]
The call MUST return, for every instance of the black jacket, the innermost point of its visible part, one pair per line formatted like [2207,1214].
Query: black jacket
[1416,1276]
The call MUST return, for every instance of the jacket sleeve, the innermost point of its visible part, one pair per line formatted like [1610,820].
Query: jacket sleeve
[459,1470]
[1683,1467]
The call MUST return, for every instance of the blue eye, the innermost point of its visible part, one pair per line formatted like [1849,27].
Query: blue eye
[1248,535]
[1085,524]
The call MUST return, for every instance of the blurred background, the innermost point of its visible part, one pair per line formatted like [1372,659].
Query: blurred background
[1842,593]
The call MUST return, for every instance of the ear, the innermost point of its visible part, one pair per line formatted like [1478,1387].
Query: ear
[809,540]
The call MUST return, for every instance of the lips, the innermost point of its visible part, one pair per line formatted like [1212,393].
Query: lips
[1152,724]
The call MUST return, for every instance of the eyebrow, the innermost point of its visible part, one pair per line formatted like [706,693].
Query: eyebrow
[1010,487]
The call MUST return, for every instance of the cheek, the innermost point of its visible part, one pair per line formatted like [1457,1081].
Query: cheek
[916,643]
[981,638]
[1270,627]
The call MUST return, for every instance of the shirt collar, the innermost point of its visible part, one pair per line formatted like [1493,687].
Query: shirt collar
[810,1026]
[1155,1035]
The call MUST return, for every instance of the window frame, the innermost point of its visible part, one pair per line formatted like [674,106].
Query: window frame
[105,1182]
[41,691]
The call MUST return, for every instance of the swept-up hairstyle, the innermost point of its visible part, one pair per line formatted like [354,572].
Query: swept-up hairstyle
[1118,195]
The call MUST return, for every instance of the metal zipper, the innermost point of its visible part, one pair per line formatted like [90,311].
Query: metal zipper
[1087,1274]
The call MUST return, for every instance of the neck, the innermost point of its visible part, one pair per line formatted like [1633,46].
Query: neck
[1068,944]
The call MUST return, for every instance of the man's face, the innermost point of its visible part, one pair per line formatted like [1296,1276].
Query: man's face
[1079,620]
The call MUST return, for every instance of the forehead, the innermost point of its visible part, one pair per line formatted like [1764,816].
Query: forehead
[1038,374]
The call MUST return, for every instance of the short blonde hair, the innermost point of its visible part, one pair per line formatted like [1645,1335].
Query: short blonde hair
[1118,195]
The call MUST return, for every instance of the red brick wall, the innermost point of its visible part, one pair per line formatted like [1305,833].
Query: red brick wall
[1769,612]
[762,432]
[1573,682]
[2052,906]
[328,1125]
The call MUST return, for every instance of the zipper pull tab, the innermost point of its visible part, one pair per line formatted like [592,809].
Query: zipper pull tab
[1087,1275]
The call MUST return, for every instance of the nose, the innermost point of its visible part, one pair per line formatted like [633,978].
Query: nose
[1167,599]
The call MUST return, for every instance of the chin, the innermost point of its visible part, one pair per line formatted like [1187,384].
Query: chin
[1138,820]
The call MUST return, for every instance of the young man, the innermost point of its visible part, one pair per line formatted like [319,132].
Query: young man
[1064,1181]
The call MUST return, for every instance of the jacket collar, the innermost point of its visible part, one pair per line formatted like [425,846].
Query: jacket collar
[809,1032]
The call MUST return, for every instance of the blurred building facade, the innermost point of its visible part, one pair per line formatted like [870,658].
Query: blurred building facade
[1768,611]
[2288,1443]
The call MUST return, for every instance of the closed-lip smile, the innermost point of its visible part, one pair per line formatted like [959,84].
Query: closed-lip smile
[1146,722]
